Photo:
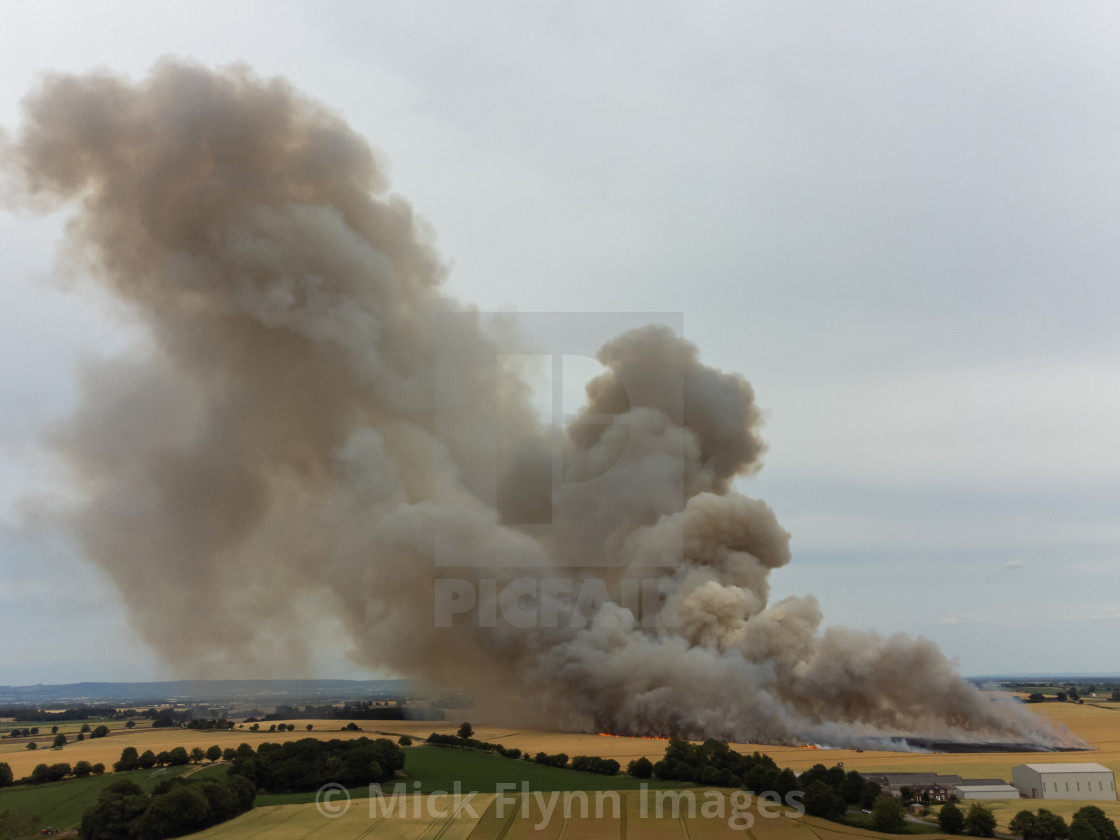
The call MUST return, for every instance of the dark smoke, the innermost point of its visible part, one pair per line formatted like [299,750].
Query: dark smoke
[273,455]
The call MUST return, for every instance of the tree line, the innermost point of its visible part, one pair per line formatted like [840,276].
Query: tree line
[310,763]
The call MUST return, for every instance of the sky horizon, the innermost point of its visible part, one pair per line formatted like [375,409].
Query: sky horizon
[896,222]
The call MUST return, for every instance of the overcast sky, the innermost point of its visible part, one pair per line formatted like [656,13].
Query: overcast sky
[897,220]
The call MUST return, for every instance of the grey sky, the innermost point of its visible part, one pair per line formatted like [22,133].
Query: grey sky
[897,220]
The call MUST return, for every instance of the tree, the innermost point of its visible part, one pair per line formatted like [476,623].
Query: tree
[59,740]
[81,736]
[1049,826]
[6,777]
[214,753]
[906,793]
[100,732]
[130,725]
[1023,824]
[1104,827]
[197,755]
[83,769]
[98,769]
[1036,698]
[1082,829]
[54,730]
[130,760]
[980,821]
[178,757]
[640,768]
[852,788]
[31,745]
[85,728]
[466,730]
[404,741]
[15,824]
[117,809]
[147,760]
[310,726]
[888,815]
[951,820]
[822,801]
[870,792]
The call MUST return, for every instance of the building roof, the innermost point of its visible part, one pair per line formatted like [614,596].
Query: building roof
[898,779]
[989,788]
[1068,767]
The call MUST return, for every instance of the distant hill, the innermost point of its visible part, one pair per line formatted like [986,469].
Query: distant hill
[201,691]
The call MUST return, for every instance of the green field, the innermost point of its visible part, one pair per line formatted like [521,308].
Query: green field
[61,804]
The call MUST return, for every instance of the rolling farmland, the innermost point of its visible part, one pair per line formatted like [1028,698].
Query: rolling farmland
[524,819]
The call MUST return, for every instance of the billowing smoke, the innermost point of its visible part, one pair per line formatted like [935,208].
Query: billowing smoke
[310,430]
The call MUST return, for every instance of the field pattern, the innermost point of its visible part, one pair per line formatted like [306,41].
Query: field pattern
[364,819]
[523,818]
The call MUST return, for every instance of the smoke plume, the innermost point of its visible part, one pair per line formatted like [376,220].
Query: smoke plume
[281,449]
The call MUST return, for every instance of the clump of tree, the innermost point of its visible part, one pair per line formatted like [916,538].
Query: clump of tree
[821,800]
[309,763]
[1089,823]
[595,764]
[715,763]
[435,739]
[209,723]
[980,821]
[50,773]
[889,815]
[640,768]
[951,819]
[6,777]
[558,760]
[176,807]
[132,760]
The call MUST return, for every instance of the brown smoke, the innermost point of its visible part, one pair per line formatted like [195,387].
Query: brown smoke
[276,453]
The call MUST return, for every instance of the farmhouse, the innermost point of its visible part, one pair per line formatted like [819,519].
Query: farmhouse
[1064,781]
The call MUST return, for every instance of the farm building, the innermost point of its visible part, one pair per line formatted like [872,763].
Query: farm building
[986,791]
[931,787]
[1064,781]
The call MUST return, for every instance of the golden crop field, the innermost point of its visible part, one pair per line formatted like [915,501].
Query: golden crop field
[108,750]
